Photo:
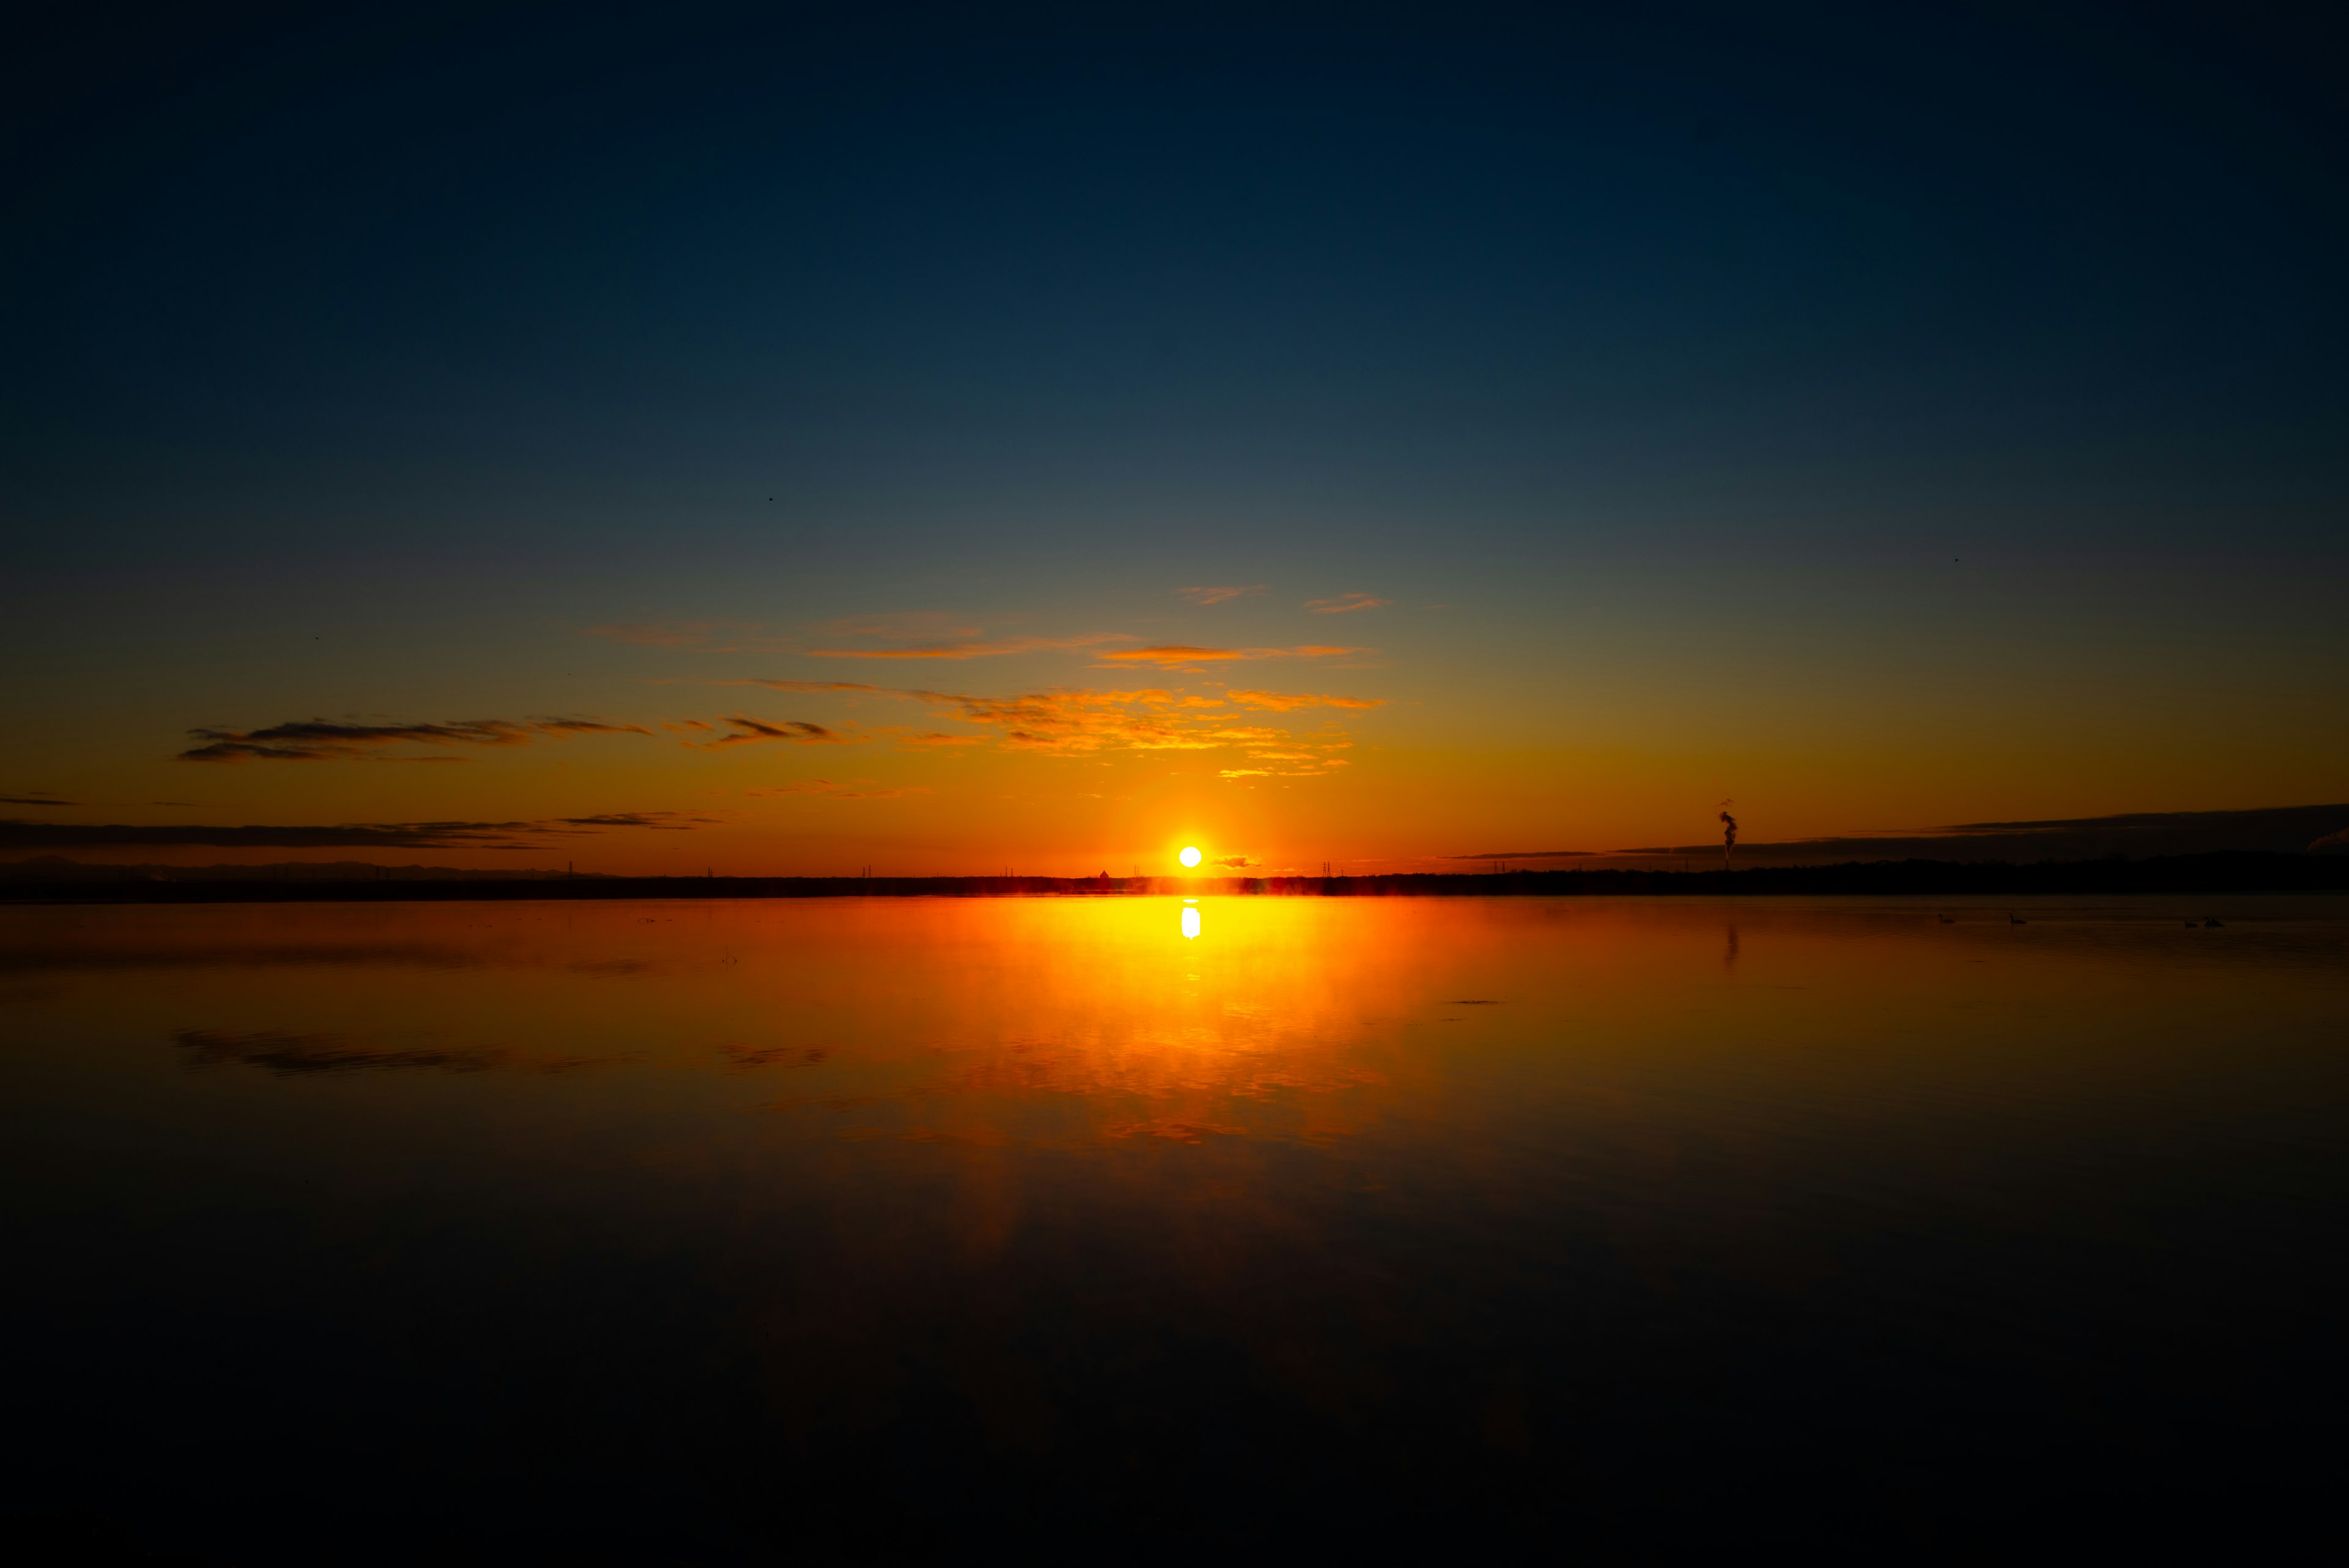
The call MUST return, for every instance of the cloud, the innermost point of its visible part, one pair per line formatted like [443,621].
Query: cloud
[43,799]
[918,634]
[1235,862]
[1304,764]
[1345,602]
[18,833]
[831,686]
[975,649]
[825,786]
[1287,702]
[324,740]
[1183,656]
[1216,595]
[1066,723]
[749,731]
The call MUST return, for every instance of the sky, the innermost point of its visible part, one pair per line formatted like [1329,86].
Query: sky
[952,438]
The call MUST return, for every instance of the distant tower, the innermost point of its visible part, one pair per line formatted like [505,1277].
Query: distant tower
[1728,833]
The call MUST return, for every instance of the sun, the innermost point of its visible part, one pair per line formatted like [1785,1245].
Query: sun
[1190,855]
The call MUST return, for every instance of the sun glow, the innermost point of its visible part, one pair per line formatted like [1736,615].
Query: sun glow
[1190,855]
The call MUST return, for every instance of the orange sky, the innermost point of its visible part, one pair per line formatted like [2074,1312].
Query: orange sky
[1277,729]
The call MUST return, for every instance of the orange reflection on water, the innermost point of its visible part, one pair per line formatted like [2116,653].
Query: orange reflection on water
[1042,1020]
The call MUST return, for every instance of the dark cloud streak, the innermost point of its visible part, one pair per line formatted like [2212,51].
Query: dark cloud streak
[326,740]
[18,834]
[750,732]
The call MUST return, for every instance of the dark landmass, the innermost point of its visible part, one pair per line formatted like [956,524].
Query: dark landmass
[2144,835]
[2227,872]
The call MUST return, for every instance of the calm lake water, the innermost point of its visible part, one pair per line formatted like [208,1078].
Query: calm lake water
[1133,1229]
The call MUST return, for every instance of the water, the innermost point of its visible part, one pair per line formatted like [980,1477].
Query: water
[661,1233]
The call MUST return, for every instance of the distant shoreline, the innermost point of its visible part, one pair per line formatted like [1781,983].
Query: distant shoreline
[2225,872]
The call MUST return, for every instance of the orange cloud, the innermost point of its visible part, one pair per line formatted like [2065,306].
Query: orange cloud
[1285,702]
[1071,723]
[1183,656]
[1345,602]
[1216,595]
[979,650]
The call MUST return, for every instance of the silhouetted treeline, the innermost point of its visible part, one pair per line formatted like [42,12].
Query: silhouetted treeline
[2228,872]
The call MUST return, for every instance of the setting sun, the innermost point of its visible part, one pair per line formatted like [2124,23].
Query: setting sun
[1190,855]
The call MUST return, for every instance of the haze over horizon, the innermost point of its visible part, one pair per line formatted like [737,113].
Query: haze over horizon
[948,442]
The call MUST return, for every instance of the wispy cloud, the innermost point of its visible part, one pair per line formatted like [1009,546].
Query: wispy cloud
[1203,596]
[749,732]
[1064,722]
[1301,765]
[1345,602]
[20,834]
[979,648]
[901,634]
[831,686]
[1184,655]
[1288,702]
[40,799]
[325,739]
[841,791]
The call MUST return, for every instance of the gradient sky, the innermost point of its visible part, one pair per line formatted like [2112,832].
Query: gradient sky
[1361,433]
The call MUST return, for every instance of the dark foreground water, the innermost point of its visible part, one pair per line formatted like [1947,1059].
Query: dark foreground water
[846,1229]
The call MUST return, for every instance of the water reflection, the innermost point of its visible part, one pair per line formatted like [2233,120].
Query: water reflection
[1370,1217]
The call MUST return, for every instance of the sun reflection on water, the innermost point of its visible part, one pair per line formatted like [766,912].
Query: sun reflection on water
[1022,1021]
